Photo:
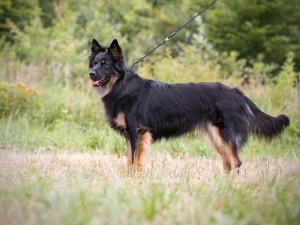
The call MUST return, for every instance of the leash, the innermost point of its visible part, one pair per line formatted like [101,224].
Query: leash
[173,34]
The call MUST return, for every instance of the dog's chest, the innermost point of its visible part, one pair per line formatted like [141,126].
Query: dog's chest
[117,122]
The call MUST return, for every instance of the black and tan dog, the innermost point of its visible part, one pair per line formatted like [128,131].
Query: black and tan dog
[147,110]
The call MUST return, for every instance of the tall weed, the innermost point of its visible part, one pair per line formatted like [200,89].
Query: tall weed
[18,99]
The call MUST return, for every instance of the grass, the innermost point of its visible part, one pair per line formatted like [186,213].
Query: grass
[22,133]
[60,163]
[42,187]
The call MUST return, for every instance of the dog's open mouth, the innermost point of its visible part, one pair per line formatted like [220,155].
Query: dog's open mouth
[97,83]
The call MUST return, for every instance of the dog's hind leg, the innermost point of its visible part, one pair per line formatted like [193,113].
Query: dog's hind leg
[228,153]
[234,159]
[216,140]
[236,137]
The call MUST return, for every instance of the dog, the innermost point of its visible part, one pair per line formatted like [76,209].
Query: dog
[146,110]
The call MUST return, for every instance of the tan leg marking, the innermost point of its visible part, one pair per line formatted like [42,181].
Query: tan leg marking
[228,154]
[235,161]
[142,149]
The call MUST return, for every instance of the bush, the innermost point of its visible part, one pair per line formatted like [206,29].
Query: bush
[282,88]
[17,99]
[188,67]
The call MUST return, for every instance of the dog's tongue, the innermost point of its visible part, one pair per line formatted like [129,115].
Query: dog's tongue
[94,82]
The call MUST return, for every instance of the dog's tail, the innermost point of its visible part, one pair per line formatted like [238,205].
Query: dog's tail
[263,125]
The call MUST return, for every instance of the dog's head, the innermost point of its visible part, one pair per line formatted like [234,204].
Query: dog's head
[105,65]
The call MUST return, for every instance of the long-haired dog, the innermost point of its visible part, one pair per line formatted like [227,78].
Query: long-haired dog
[147,110]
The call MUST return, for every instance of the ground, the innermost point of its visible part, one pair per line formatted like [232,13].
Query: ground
[69,187]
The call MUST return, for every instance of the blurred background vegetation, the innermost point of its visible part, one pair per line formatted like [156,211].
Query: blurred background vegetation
[46,99]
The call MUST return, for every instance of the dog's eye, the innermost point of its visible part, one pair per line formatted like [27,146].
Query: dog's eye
[95,63]
[103,62]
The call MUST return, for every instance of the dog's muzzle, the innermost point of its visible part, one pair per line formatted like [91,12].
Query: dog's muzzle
[101,82]
[96,82]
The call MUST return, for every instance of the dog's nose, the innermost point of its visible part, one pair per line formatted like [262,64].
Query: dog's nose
[92,74]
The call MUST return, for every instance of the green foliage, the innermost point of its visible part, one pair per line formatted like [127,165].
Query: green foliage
[57,34]
[18,13]
[188,67]
[282,91]
[17,99]
[251,27]
[80,108]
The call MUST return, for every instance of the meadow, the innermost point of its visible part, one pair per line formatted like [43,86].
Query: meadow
[60,163]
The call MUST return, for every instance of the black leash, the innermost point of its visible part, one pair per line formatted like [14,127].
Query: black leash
[173,34]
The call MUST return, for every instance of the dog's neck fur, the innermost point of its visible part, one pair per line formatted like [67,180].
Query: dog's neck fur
[103,91]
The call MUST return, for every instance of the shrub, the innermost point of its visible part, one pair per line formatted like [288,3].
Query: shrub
[188,67]
[17,99]
[282,91]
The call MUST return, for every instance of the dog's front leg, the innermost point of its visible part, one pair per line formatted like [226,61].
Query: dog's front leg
[131,139]
[129,157]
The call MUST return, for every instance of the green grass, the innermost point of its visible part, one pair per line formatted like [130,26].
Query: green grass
[60,163]
[65,134]
[21,132]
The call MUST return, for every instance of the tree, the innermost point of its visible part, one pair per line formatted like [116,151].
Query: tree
[18,13]
[266,27]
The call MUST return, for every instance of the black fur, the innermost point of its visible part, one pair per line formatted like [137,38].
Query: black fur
[168,110]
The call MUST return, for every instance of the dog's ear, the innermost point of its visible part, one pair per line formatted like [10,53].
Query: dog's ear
[115,50]
[96,47]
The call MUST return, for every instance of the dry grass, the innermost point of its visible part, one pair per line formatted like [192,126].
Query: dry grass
[171,168]
[93,188]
